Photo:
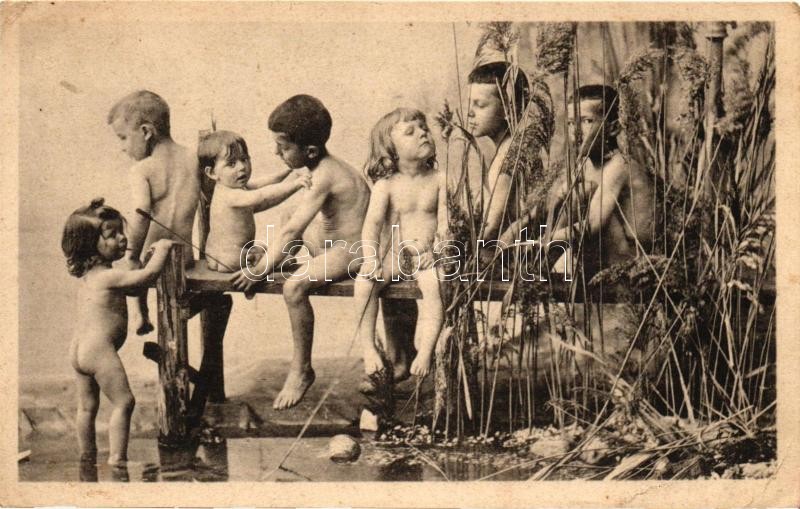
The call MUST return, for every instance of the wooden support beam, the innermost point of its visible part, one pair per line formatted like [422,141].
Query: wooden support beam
[173,363]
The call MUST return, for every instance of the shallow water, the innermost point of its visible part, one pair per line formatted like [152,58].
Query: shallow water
[256,459]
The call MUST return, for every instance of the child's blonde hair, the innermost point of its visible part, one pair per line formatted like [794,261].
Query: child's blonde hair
[81,233]
[382,160]
[140,107]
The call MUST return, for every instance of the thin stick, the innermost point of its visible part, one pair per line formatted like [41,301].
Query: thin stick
[180,237]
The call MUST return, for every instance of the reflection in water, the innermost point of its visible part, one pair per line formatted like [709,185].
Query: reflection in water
[400,470]
[119,473]
[150,473]
[209,463]
[176,464]
[250,458]
[88,470]
[216,458]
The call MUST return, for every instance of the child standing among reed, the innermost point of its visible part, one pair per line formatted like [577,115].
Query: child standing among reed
[93,238]
[409,196]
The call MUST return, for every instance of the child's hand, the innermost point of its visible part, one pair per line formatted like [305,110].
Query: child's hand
[244,283]
[426,260]
[377,269]
[303,180]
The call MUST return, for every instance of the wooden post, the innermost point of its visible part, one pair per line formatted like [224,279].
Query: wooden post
[715,34]
[173,363]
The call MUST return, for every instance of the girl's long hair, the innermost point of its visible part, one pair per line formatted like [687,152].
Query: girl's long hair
[382,160]
[81,233]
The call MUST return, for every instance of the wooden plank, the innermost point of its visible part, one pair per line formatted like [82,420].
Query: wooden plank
[173,365]
[200,279]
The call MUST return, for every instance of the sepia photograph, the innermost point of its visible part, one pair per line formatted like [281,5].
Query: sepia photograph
[399,244]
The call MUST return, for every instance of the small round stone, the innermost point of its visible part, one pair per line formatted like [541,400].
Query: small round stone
[343,448]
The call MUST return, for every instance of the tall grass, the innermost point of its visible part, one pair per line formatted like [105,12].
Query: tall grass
[702,356]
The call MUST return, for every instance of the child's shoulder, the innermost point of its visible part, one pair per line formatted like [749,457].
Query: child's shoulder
[623,166]
[330,164]
[384,184]
[99,277]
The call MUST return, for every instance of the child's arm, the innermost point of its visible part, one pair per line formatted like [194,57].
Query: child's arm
[293,230]
[442,225]
[269,179]
[137,223]
[513,232]
[497,205]
[130,279]
[268,196]
[604,199]
[375,220]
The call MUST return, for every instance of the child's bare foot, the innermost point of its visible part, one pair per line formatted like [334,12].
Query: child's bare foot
[372,362]
[365,386]
[401,372]
[421,365]
[294,388]
[115,461]
[145,327]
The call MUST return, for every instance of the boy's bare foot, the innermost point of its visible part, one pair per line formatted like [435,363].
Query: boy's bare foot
[145,328]
[117,462]
[421,365]
[372,362]
[294,388]
[365,386]
[401,372]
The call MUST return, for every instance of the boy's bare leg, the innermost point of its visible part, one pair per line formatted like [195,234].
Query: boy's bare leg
[113,381]
[429,323]
[366,301]
[88,403]
[301,315]
[400,324]
[141,315]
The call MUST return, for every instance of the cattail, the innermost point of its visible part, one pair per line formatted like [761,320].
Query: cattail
[499,36]
[444,119]
[555,42]
[693,70]
[638,68]
[532,135]
[640,65]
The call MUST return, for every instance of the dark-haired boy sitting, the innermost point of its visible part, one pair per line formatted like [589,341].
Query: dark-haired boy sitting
[327,221]
[617,190]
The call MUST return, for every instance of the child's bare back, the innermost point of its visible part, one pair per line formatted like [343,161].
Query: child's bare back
[341,214]
[173,183]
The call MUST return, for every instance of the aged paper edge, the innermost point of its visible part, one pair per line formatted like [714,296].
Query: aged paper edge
[781,491]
